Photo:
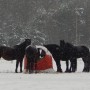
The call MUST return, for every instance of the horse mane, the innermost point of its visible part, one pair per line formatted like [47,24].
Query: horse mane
[69,44]
[22,44]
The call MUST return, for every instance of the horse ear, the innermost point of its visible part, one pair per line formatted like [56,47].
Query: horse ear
[62,42]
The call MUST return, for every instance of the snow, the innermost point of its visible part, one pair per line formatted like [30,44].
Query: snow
[42,81]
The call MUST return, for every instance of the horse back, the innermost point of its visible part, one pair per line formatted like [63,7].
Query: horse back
[82,51]
[86,50]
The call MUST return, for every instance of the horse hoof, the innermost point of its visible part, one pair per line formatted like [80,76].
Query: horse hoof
[36,71]
[59,70]
[16,72]
[68,71]
[73,71]
[31,71]
[20,71]
[86,70]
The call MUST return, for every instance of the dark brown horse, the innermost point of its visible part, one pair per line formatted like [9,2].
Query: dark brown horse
[16,52]
[33,54]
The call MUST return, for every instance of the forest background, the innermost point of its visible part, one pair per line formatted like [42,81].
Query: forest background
[45,21]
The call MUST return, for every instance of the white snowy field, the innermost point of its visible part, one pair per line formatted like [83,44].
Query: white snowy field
[42,81]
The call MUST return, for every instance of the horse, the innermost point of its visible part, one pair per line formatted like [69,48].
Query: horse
[72,53]
[56,53]
[16,52]
[65,52]
[33,54]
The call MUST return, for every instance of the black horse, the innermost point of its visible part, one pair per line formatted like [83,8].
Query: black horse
[16,52]
[33,54]
[66,52]
[71,53]
[56,53]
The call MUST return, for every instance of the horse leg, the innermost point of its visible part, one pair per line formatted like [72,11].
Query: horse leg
[70,69]
[17,63]
[35,66]
[76,64]
[58,66]
[21,61]
[31,67]
[85,65]
[67,66]
[73,64]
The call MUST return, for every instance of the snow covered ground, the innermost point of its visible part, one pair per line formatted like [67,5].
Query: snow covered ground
[42,81]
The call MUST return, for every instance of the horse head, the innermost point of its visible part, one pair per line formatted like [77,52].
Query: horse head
[62,43]
[62,46]
[21,46]
[28,42]
[66,48]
